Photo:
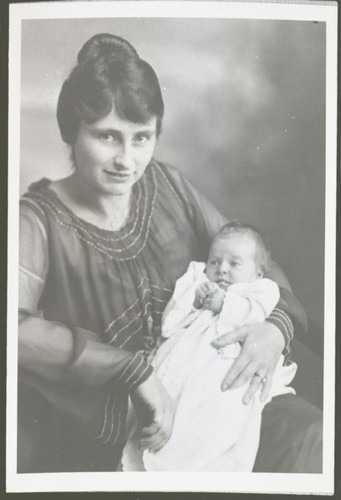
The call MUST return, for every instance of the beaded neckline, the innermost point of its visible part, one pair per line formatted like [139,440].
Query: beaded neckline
[44,184]
[123,244]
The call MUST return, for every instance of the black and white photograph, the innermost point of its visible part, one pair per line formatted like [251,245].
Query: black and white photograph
[172,209]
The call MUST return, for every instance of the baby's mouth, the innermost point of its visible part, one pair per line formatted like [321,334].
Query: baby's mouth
[223,284]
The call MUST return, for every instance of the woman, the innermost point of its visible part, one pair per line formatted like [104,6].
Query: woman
[109,243]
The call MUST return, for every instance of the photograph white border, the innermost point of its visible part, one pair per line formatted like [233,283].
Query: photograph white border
[165,481]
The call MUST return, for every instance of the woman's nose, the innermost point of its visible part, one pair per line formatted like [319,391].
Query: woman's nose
[123,157]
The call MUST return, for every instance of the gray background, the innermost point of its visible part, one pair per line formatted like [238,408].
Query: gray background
[244,121]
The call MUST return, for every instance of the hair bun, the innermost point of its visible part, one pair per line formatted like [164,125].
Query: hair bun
[104,45]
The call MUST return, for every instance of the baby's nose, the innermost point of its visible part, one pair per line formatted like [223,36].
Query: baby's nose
[223,268]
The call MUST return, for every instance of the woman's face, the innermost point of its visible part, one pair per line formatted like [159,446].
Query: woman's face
[111,154]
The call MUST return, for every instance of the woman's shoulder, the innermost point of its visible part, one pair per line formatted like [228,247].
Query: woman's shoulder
[33,231]
[31,204]
[169,172]
[40,201]
[44,185]
[206,215]
[37,186]
[171,181]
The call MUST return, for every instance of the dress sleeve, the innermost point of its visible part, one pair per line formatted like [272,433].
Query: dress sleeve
[288,314]
[33,264]
[50,349]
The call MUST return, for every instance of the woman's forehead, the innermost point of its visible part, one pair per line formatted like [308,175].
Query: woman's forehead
[112,121]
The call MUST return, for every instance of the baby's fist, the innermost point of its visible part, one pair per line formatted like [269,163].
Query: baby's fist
[201,293]
[214,301]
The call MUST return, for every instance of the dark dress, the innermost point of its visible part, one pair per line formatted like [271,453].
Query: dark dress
[111,286]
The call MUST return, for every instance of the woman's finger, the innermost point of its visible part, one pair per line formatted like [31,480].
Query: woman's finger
[238,374]
[157,440]
[255,385]
[259,381]
[158,446]
[229,338]
[150,429]
[266,387]
[147,442]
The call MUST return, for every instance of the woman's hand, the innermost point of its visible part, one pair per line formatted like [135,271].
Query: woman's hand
[155,412]
[262,345]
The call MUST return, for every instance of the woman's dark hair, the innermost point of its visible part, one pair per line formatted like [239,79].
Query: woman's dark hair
[262,253]
[108,73]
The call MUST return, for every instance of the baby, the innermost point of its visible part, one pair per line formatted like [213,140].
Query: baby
[213,430]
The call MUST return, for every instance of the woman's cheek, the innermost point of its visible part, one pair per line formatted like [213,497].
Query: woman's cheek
[149,151]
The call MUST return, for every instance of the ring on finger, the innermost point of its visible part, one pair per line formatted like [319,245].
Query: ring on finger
[263,378]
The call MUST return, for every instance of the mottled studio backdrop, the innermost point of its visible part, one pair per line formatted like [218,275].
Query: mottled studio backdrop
[244,121]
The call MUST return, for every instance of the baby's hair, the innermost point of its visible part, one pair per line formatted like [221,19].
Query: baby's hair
[262,253]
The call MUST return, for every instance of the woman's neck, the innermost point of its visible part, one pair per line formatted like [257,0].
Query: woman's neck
[105,210]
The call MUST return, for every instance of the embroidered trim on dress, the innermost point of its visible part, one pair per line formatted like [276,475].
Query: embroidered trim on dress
[128,379]
[83,229]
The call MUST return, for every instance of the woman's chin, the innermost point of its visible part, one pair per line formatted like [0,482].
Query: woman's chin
[116,188]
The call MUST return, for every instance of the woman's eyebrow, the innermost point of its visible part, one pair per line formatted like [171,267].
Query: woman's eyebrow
[106,130]
[109,130]
[146,130]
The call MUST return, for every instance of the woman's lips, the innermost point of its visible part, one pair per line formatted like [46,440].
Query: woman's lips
[118,175]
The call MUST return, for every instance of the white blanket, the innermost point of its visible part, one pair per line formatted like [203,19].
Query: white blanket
[213,430]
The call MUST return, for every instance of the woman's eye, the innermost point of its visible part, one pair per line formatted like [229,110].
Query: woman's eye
[141,139]
[213,262]
[108,138]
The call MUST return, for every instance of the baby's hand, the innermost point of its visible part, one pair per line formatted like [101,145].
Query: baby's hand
[214,300]
[203,290]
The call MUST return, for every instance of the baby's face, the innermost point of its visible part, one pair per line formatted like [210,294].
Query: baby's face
[232,260]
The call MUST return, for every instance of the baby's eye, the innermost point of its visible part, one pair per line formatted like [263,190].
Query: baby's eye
[235,264]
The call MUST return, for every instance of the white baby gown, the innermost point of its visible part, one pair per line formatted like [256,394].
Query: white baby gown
[213,430]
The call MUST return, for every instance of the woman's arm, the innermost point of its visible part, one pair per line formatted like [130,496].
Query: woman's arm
[51,353]
[50,349]
[56,353]
[287,302]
